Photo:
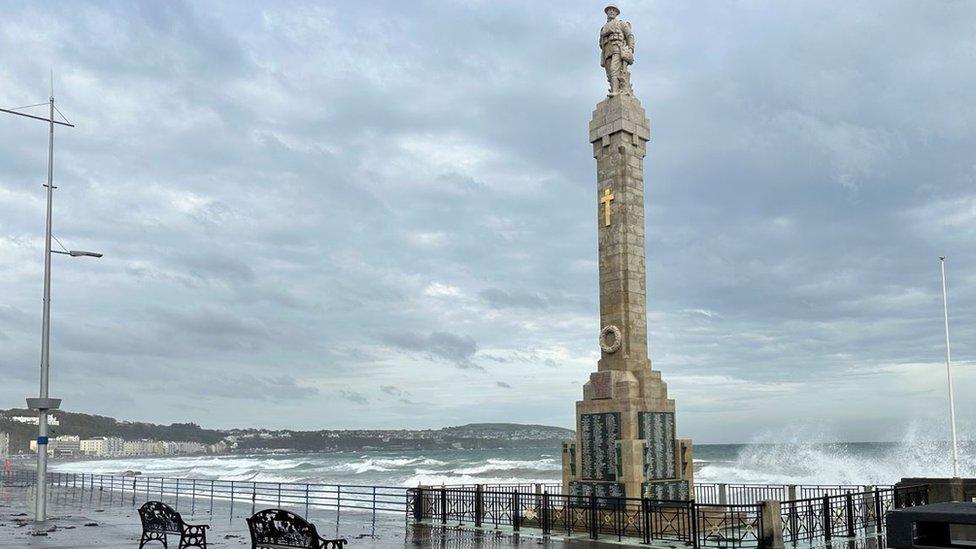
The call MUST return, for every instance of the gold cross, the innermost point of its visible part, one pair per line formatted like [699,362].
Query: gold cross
[605,200]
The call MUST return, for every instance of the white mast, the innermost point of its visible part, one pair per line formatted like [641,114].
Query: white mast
[952,404]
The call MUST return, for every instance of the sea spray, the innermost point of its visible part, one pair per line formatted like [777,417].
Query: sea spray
[805,456]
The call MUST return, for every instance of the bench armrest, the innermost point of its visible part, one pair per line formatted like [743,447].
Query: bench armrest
[332,543]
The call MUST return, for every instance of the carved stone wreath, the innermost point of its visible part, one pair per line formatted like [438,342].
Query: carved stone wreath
[610,339]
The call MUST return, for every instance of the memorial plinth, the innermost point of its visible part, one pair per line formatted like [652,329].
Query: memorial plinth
[626,441]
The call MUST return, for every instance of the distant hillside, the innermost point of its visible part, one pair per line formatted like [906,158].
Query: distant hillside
[506,430]
[474,435]
[87,426]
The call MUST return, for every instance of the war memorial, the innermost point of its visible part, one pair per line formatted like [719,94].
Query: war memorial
[626,442]
[627,477]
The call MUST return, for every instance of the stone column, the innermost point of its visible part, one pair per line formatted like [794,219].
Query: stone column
[772,532]
[625,422]
[619,132]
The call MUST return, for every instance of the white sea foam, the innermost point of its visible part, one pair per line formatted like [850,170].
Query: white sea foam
[492,465]
[804,458]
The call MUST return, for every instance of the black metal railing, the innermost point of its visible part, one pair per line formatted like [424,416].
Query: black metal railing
[728,525]
[204,493]
[827,512]
[754,493]
[848,515]
[522,488]
[683,522]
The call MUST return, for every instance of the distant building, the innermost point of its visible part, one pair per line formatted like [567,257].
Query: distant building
[102,446]
[4,445]
[143,447]
[171,448]
[66,445]
[218,448]
[32,420]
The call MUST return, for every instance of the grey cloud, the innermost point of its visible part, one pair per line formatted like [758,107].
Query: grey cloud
[217,266]
[500,299]
[353,396]
[274,389]
[797,199]
[503,385]
[443,345]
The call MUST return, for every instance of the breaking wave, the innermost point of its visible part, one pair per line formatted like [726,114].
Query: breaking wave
[806,457]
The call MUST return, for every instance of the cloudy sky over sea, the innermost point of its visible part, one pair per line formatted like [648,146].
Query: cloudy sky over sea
[379,214]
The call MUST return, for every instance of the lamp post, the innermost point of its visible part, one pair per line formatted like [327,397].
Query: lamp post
[43,403]
[952,404]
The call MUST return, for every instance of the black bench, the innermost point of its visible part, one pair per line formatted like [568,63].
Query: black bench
[160,520]
[277,528]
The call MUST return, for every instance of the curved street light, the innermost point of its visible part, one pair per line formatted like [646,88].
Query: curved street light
[43,403]
[77,253]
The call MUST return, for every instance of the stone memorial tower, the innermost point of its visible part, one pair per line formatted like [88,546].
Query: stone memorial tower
[625,425]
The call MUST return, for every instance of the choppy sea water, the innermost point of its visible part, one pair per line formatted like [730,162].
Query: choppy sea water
[796,462]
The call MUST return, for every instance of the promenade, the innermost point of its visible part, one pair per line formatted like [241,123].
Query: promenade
[91,518]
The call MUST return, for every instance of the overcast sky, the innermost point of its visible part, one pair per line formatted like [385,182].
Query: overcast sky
[379,214]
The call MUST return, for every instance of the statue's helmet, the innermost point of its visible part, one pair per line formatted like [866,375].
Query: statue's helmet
[613,7]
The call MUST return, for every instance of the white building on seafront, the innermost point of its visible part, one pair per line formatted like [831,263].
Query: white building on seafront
[65,445]
[102,446]
[171,448]
[144,447]
[32,420]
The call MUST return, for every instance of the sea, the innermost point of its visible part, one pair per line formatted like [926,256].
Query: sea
[798,462]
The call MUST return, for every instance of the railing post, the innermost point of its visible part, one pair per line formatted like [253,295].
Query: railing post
[794,522]
[479,504]
[254,495]
[443,505]
[211,495]
[594,527]
[418,505]
[646,520]
[306,500]
[338,502]
[849,504]
[771,525]
[878,516]
[193,496]
[515,510]
[545,514]
[177,494]
[279,495]
[827,526]
[232,498]
[134,489]
[723,494]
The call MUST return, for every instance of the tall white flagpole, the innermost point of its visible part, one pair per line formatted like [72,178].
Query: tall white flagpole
[952,404]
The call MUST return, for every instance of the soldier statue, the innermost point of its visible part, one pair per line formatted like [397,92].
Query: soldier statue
[617,51]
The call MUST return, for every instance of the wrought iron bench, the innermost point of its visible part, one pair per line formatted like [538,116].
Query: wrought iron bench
[278,529]
[160,520]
